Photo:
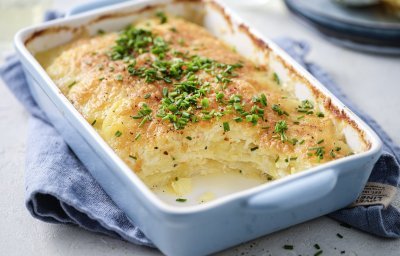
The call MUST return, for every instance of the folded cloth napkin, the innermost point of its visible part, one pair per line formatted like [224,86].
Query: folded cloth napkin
[59,189]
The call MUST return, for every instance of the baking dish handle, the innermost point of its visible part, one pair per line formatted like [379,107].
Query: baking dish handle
[91,6]
[295,193]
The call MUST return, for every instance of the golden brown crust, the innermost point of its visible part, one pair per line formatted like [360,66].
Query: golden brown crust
[108,96]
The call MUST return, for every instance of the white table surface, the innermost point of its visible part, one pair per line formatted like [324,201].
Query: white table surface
[373,82]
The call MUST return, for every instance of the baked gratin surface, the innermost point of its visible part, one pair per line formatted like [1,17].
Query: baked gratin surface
[175,102]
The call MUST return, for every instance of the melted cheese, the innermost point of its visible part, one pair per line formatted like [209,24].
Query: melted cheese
[107,96]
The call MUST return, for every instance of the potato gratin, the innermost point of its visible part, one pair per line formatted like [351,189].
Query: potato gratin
[175,102]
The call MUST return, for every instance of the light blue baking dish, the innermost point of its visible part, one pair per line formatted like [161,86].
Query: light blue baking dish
[229,220]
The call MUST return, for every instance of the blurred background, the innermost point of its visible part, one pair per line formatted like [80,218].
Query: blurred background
[17,14]
[364,25]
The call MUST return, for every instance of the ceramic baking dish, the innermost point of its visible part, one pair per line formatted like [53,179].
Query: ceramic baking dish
[231,219]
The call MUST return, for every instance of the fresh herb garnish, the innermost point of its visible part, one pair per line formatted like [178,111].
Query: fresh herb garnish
[72,84]
[144,114]
[162,16]
[306,107]
[187,92]
[137,136]
[219,96]
[146,96]
[181,200]
[276,78]
[281,128]
[288,247]
[319,152]
[132,41]
[94,122]
[332,154]
[277,108]
[205,102]
[345,225]
[318,253]
[238,119]
[188,138]
[253,118]
[118,134]
[226,127]
[263,100]
[133,157]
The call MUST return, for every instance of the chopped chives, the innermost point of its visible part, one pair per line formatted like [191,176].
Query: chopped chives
[238,119]
[288,247]
[188,137]
[277,108]
[263,100]
[318,253]
[162,16]
[320,141]
[226,127]
[276,78]
[94,122]
[281,128]
[205,102]
[220,96]
[345,225]
[118,133]
[147,96]
[181,200]
[165,91]
[72,84]
[137,136]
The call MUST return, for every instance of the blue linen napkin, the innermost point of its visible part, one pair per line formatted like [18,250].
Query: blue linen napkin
[59,189]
